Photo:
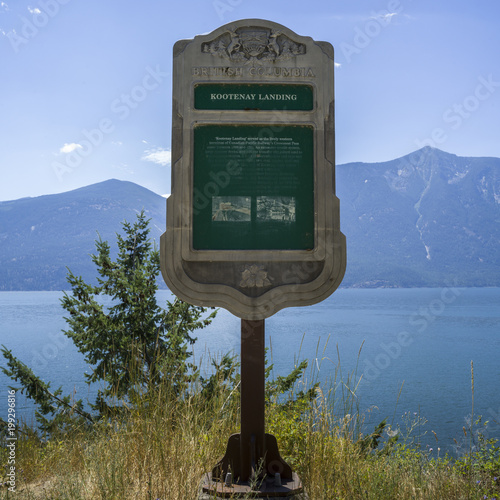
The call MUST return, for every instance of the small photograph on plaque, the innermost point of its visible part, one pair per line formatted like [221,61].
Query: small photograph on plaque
[275,208]
[231,208]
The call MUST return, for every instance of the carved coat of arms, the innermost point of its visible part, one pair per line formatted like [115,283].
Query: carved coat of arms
[253,45]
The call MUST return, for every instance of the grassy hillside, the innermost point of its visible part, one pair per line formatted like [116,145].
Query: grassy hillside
[160,449]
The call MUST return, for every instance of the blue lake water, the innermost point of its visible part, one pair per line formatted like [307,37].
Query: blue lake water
[412,349]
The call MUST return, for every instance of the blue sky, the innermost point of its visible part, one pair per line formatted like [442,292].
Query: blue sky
[409,73]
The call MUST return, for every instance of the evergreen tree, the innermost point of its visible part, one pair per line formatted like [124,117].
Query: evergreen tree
[125,335]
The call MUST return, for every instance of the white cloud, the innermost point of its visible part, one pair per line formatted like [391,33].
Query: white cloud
[389,15]
[69,148]
[36,10]
[337,65]
[383,17]
[160,156]
[4,6]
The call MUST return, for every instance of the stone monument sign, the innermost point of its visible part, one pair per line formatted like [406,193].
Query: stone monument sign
[253,221]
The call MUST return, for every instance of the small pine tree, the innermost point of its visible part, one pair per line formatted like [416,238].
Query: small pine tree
[129,339]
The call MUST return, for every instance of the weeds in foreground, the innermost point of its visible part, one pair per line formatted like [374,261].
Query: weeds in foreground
[161,448]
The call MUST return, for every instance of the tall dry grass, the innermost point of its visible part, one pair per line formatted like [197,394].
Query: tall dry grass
[161,448]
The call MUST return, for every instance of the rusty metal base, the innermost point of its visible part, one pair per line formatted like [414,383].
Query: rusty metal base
[264,462]
[261,489]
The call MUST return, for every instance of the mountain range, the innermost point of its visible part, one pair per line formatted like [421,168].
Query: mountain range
[427,219]
[41,237]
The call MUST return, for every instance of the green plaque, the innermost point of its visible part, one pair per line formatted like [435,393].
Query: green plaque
[283,97]
[253,187]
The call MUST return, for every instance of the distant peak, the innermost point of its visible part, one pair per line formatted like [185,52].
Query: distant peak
[427,152]
[430,149]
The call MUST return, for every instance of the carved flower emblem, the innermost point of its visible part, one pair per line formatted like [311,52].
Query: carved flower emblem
[254,276]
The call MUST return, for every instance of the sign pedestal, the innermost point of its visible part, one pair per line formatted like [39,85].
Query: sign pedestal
[252,457]
[253,222]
